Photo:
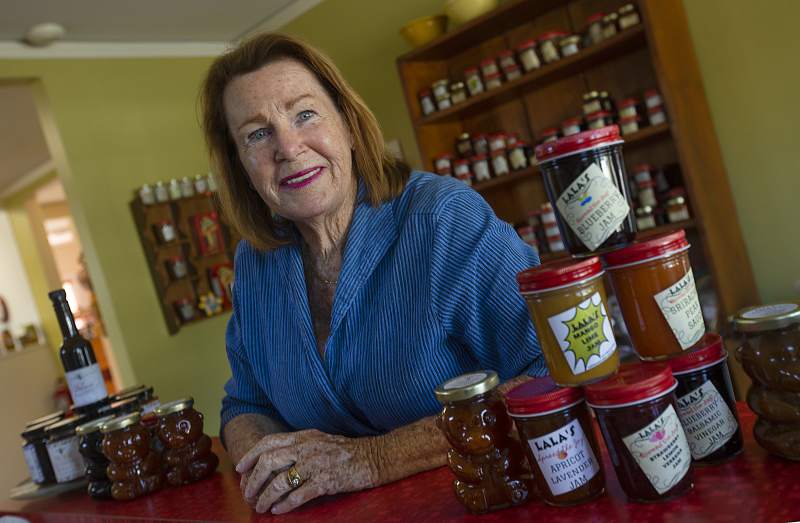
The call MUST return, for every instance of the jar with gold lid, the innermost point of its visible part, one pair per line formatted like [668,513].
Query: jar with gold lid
[487,463]
[458,92]
[187,452]
[91,448]
[134,467]
[473,80]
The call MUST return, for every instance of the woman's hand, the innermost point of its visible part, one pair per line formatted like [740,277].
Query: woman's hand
[327,465]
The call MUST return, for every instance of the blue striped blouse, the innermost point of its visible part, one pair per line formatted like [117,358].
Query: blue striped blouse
[426,292]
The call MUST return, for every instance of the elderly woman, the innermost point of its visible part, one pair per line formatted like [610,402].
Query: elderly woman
[360,286]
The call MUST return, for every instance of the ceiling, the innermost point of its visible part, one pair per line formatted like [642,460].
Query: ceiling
[113,28]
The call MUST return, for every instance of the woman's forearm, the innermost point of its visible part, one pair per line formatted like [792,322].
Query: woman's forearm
[245,430]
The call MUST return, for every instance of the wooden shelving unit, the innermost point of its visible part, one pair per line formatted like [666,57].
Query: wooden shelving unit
[656,53]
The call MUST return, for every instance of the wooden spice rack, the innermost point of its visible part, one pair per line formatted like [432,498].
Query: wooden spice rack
[196,283]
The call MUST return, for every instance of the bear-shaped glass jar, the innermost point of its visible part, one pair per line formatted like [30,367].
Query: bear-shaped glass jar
[187,451]
[487,463]
[134,468]
[90,447]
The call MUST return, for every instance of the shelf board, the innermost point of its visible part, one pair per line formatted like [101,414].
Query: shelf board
[494,23]
[632,140]
[624,42]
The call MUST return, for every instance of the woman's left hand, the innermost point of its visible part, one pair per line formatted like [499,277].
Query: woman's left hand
[326,464]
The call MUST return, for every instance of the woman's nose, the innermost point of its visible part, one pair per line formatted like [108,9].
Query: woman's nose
[289,144]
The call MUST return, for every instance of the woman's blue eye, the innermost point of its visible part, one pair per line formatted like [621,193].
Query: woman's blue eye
[258,134]
[305,115]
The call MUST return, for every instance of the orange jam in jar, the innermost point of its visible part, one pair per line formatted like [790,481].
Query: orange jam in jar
[654,284]
[567,301]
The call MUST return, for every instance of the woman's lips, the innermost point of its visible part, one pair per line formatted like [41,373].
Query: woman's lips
[302,178]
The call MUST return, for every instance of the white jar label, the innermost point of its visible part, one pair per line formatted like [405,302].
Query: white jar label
[593,207]
[86,385]
[32,460]
[565,458]
[707,420]
[584,334]
[66,459]
[661,451]
[681,308]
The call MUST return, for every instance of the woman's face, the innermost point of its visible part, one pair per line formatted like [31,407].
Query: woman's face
[292,140]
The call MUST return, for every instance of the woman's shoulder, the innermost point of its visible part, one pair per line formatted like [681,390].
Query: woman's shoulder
[428,194]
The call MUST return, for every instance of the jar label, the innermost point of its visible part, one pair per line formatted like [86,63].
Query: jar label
[584,334]
[661,450]
[769,310]
[29,451]
[66,459]
[565,458]
[707,420]
[681,308]
[593,207]
[86,385]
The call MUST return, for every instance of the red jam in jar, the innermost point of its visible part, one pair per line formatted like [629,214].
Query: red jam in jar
[561,446]
[638,416]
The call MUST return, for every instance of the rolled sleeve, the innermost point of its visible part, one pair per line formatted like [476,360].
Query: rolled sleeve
[475,260]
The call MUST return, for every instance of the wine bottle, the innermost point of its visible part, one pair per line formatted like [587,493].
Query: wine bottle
[84,377]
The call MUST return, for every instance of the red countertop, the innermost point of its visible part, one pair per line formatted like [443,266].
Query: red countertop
[754,487]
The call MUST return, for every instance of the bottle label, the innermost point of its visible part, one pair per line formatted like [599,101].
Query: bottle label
[565,458]
[86,385]
[707,420]
[593,207]
[681,308]
[29,451]
[66,459]
[661,450]
[584,334]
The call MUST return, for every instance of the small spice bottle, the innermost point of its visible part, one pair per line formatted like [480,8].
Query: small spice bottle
[655,288]
[594,28]
[677,208]
[185,309]
[647,193]
[91,448]
[706,402]
[570,45]
[485,461]
[592,103]
[176,265]
[497,142]
[464,145]
[187,455]
[628,16]
[641,173]
[657,115]
[512,72]
[462,170]
[441,92]
[652,98]
[480,168]
[517,157]
[528,235]
[187,187]
[638,416]
[165,231]
[549,44]
[480,144]
[645,219]
[499,162]
[458,93]
[607,103]
[35,452]
[493,81]
[568,304]
[506,58]
[444,164]
[549,135]
[201,184]
[598,120]
[628,107]
[473,80]
[63,451]
[571,126]
[175,189]
[561,447]
[161,192]
[146,195]
[629,125]
[610,25]
[426,102]
[489,67]
[527,55]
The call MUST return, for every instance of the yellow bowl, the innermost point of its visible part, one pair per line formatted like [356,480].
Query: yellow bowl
[462,11]
[422,30]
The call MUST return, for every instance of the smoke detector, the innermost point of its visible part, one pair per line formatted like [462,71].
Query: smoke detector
[41,35]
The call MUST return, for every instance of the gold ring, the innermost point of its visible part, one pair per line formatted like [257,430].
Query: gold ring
[294,478]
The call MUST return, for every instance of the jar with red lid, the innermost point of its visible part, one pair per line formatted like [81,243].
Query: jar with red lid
[641,173]
[647,193]
[499,162]
[489,67]
[628,16]
[443,164]
[480,144]
[654,284]
[592,103]
[645,218]
[165,231]
[527,56]
[628,107]
[473,80]
[493,81]
[550,228]
[548,46]
[638,416]
[176,265]
[652,98]
[549,135]
[706,402]
[585,179]
[571,126]
[570,45]
[594,28]
[462,170]
[676,206]
[629,125]
[561,447]
[480,168]
[426,101]
[517,157]
[512,72]
[607,103]
[458,93]
[657,115]
[599,119]
[568,304]
[464,145]
[610,25]
[506,58]
[185,309]
[497,142]
[441,92]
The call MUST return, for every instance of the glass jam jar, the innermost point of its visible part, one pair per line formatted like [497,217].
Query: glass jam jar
[769,355]
[462,171]
[134,467]
[654,284]
[585,178]
[592,103]
[480,168]
[473,80]
[62,449]
[441,93]
[458,93]
[426,101]
[499,163]
[517,157]
[527,55]
[548,46]
[645,218]
[35,452]
[652,98]
[497,142]
[90,447]
[165,231]
[464,145]
[629,125]
[487,463]
[562,450]
[568,304]
[628,16]
[599,119]
[489,67]
[187,455]
[628,107]
[443,164]
[512,72]
[176,265]
[493,81]
[571,126]
[594,28]
[677,208]
[638,416]
[570,45]
[706,402]
[657,115]
[610,25]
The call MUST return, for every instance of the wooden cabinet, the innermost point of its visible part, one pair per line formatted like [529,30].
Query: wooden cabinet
[208,267]
[657,53]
